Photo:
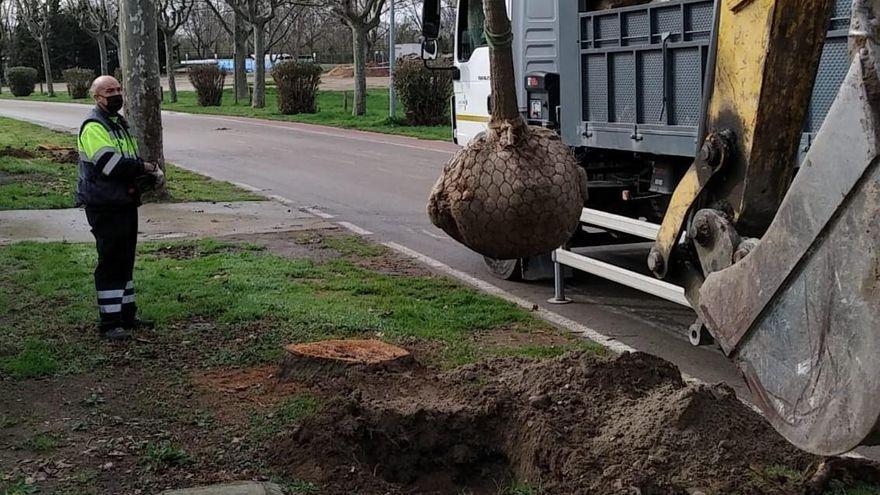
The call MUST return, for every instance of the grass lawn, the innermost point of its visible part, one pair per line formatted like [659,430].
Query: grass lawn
[243,291]
[30,179]
[331,112]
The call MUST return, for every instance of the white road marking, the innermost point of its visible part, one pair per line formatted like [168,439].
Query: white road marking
[246,187]
[281,199]
[318,213]
[435,236]
[354,228]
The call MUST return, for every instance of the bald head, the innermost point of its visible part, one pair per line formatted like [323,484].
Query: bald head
[103,83]
[105,90]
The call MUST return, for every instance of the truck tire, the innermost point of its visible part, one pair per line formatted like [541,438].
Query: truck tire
[504,269]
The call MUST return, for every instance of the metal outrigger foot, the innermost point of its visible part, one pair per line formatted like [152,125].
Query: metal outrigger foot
[558,284]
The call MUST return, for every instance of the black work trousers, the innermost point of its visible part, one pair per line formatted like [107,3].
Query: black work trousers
[115,231]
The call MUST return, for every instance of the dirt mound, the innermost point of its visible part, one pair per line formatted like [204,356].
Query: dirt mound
[348,71]
[57,154]
[577,424]
[17,153]
[60,154]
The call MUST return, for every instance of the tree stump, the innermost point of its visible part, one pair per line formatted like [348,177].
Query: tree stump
[305,362]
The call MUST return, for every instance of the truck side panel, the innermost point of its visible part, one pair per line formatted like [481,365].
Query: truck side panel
[632,78]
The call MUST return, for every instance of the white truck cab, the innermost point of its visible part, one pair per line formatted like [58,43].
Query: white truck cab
[533,52]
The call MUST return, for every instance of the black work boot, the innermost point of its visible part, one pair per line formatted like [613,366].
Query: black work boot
[116,334]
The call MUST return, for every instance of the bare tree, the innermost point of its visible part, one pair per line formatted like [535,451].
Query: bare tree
[37,16]
[238,30]
[305,29]
[99,19]
[5,33]
[361,16]
[258,13]
[278,30]
[203,31]
[411,13]
[139,54]
[172,15]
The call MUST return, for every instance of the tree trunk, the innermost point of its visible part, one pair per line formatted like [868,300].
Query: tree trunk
[240,35]
[169,66]
[139,54]
[259,65]
[504,102]
[102,49]
[359,44]
[47,68]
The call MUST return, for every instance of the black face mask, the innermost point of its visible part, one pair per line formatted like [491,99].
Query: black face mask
[114,103]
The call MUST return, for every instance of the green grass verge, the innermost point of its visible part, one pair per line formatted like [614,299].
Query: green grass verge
[40,182]
[331,112]
[255,301]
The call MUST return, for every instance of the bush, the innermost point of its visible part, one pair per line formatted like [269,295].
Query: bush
[21,80]
[208,80]
[424,93]
[78,82]
[297,84]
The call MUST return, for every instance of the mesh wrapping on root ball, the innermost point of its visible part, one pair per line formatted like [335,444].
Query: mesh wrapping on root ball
[514,191]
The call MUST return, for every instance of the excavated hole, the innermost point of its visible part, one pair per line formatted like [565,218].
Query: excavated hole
[450,452]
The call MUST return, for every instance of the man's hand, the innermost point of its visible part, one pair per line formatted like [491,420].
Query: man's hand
[152,179]
[160,178]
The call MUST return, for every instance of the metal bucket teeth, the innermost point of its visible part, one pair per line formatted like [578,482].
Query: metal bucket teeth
[801,312]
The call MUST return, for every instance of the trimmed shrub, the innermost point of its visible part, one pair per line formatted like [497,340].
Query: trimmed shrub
[297,84]
[208,80]
[424,93]
[21,80]
[78,82]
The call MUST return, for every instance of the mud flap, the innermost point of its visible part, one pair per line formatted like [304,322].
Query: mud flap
[801,313]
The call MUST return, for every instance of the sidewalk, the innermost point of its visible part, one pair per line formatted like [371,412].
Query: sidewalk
[161,221]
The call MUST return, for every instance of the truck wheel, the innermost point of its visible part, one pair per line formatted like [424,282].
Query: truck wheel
[504,269]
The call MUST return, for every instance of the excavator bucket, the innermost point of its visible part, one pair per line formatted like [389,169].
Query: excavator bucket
[800,313]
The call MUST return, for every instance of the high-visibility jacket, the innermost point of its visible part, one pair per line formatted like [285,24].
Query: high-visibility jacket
[108,162]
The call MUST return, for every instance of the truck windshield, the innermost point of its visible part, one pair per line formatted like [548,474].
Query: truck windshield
[470,28]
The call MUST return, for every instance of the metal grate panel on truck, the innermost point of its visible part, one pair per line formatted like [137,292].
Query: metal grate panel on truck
[642,71]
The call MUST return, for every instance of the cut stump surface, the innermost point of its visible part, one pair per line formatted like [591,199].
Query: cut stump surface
[336,357]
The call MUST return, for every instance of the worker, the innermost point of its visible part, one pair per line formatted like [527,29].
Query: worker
[111,176]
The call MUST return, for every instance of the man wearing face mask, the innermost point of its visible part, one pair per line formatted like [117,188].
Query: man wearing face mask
[110,177]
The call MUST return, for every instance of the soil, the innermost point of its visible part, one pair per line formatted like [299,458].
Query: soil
[17,153]
[187,251]
[577,424]
[348,71]
[311,244]
[60,154]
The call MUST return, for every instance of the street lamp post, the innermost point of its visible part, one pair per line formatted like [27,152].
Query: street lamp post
[392,58]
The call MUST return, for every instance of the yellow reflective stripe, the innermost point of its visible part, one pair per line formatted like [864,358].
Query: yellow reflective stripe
[472,118]
[93,138]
